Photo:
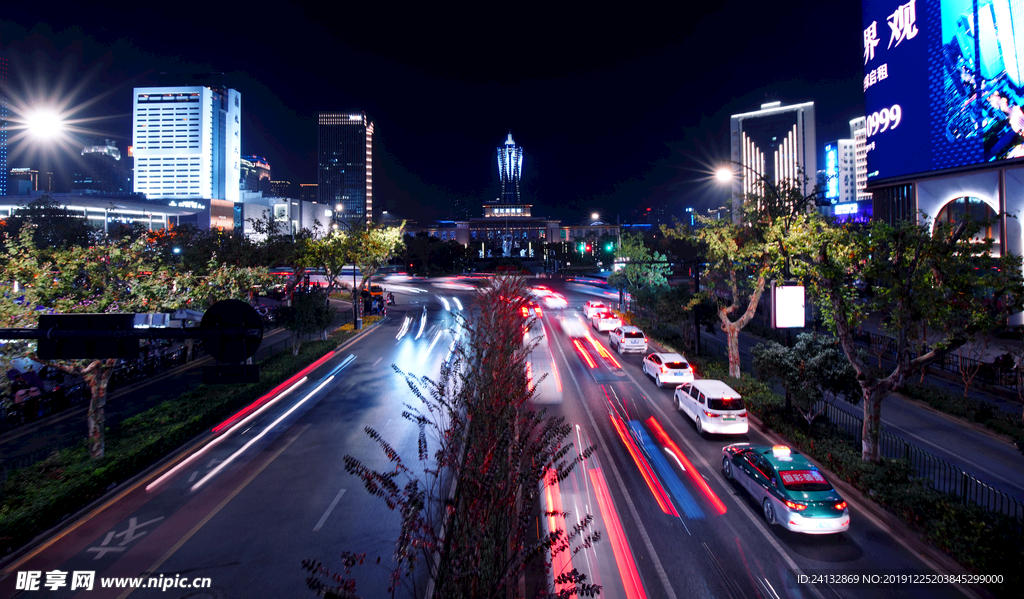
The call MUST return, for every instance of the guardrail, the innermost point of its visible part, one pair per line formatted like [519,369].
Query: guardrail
[125,374]
[941,474]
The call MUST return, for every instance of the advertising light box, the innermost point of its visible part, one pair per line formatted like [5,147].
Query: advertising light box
[943,84]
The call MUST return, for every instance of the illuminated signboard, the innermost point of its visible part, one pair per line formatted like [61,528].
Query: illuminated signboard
[831,172]
[943,84]
[845,208]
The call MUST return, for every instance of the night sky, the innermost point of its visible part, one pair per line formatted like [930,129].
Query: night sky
[617,109]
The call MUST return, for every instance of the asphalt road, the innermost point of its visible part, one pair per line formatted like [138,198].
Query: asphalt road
[244,508]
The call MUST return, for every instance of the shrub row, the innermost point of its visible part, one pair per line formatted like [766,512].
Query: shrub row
[36,498]
[982,541]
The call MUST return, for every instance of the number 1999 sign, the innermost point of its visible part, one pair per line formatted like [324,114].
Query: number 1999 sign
[886,118]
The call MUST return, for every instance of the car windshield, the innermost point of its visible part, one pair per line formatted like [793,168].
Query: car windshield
[725,403]
[804,480]
[634,335]
[677,365]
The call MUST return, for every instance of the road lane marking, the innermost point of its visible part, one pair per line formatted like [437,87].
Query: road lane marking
[174,548]
[655,560]
[330,509]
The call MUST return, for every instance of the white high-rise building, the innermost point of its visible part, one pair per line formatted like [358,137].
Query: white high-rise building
[774,144]
[859,133]
[187,142]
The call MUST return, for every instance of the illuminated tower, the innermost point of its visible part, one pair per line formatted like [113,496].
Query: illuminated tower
[345,176]
[510,169]
[775,143]
[3,125]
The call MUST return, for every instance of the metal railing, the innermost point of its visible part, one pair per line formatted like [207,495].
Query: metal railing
[942,475]
[978,370]
[124,374]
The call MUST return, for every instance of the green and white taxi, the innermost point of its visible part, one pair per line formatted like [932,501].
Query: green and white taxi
[791,491]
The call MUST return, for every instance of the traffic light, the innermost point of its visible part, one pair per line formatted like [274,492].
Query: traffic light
[583,247]
[608,247]
[588,247]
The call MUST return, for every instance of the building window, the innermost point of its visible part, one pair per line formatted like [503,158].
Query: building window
[974,209]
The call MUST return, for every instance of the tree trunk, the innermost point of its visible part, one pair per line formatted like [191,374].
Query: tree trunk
[98,375]
[732,332]
[872,428]
[296,343]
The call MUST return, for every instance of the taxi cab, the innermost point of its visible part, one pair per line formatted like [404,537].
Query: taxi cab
[791,491]
[376,292]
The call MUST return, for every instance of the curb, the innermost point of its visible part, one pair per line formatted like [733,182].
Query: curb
[912,540]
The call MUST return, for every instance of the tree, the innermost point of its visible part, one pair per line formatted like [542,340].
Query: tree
[110,276]
[641,268]
[928,280]
[476,428]
[814,372]
[370,247]
[307,313]
[743,257]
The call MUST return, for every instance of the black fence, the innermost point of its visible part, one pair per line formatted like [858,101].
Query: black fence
[941,474]
[127,373]
[974,369]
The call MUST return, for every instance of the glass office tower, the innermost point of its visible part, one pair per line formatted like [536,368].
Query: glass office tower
[345,179]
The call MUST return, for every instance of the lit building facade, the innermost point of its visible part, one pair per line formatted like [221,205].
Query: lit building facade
[346,164]
[859,133]
[510,171]
[308,192]
[187,142]
[776,143]
[4,101]
[255,174]
[283,189]
[102,169]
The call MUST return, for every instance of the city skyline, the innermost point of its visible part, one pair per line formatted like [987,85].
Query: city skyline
[614,114]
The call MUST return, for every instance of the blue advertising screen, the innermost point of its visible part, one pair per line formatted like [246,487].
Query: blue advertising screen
[943,84]
[831,172]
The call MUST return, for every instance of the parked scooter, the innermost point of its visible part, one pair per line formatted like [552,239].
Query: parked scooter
[391,299]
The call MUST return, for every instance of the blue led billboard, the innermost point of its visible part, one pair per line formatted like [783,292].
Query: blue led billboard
[831,172]
[943,84]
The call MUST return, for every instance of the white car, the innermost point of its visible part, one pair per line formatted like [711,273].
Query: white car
[591,308]
[714,407]
[605,321]
[671,369]
[628,338]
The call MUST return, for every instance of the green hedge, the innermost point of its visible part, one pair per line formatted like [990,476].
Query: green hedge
[982,541]
[36,498]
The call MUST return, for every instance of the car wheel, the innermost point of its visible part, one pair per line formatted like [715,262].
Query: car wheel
[676,403]
[726,467]
[657,380]
[769,511]
[618,348]
[700,427]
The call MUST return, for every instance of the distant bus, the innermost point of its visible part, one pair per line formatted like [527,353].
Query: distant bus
[317,276]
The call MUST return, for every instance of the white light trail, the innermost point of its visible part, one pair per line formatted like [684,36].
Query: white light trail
[267,429]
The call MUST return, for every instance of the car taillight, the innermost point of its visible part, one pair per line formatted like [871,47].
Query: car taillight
[742,414]
[664,368]
[796,506]
[710,415]
[840,506]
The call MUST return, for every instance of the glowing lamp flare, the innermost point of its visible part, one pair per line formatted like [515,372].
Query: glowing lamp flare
[724,175]
[44,124]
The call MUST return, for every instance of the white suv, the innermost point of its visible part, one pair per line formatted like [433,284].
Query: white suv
[624,339]
[591,308]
